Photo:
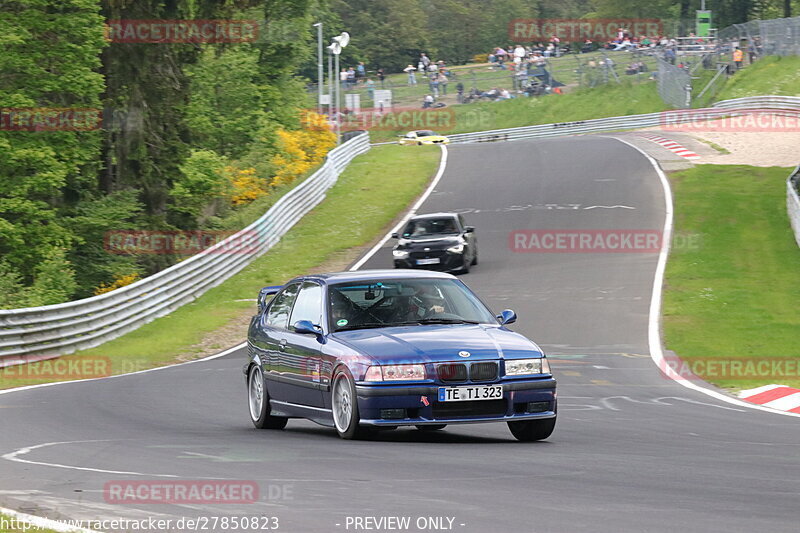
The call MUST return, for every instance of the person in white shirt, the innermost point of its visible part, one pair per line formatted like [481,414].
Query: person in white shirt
[412,78]
[519,54]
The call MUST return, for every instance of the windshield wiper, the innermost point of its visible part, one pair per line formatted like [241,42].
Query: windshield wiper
[366,325]
[438,321]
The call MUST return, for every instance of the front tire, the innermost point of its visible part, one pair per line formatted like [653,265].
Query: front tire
[344,405]
[532,430]
[258,400]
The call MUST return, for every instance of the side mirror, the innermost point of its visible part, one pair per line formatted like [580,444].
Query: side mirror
[305,326]
[469,229]
[507,317]
[395,235]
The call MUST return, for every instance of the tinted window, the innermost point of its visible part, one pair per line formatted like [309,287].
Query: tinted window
[281,306]
[308,305]
[421,227]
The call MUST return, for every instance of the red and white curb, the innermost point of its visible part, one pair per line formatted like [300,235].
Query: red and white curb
[774,396]
[672,146]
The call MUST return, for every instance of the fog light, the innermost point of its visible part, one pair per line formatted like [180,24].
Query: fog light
[538,407]
[393,414]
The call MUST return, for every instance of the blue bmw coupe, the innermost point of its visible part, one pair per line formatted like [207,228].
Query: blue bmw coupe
[379,349]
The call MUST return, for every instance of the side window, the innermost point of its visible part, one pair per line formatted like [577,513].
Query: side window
[308,305]
[281,306]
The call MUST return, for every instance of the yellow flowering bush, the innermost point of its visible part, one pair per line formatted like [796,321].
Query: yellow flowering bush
[246,185]
[119,281]
[301,149]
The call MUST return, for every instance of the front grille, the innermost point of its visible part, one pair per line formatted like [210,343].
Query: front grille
[483,371]
[471,408]
[428,255]
[452,373]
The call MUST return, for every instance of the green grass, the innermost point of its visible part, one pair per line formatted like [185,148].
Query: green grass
[375,188]
[771,75]
[626,98]
[28,527]
[734,296]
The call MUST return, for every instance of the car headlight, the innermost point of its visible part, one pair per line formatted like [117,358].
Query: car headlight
[395,373]
[457,249]
[521,367]
[400,254]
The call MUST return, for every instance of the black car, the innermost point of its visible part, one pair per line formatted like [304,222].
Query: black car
[438,241]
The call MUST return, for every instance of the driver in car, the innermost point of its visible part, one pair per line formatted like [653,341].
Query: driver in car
[425,302]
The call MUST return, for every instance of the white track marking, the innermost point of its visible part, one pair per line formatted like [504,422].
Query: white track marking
[654,329]
[411,212]
[14,456]
[209,358]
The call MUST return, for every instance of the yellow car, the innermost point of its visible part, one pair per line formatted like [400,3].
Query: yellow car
[423,137]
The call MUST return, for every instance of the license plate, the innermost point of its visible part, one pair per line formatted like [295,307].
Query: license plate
[431,261]
[465,394]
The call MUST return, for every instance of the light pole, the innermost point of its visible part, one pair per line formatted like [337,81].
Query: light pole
[339,42]
[320,80]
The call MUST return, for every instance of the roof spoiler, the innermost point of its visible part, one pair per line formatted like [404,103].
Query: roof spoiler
[265,293]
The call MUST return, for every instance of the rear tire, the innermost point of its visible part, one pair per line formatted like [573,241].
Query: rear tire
[344,406]
[532,430]
[431,427]
[258,400]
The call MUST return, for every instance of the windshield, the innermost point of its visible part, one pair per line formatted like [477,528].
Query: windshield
[417,301]
[422,227]
[425,133]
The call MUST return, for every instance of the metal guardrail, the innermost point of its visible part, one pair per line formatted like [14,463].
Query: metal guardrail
[37,333]
[776,104]
[44,332]
[793,202]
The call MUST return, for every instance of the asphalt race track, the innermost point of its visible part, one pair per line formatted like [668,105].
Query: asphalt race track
[632,451]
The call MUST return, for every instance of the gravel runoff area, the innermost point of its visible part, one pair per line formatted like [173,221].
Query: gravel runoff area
[773,144]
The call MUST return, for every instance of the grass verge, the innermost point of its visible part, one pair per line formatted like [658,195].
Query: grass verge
[626,98]
[9,524]
[734,296]
[772,75]
[374,189]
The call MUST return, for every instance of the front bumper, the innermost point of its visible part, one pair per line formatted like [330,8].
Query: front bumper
[375,400]
[448,262]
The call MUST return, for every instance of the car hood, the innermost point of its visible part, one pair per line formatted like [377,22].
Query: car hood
[433,242]
[436,343]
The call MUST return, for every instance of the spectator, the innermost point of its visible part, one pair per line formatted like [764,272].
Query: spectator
[427,101]
[343,79]
[443,83]
[381,76]
[433,84]
[351,78]
[361,71]
[519,54]
[460,92]
[424,60]
[556,42]
[738,57]
[412,78]
[370,85]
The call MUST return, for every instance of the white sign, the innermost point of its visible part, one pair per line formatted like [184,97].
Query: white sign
[382,99]
[352,101]
[324,99]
